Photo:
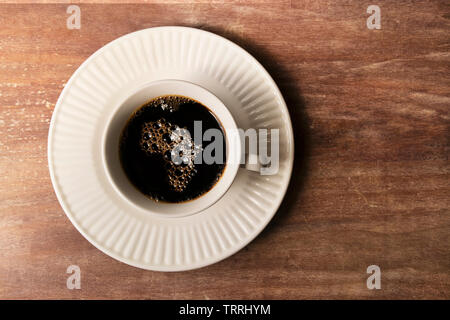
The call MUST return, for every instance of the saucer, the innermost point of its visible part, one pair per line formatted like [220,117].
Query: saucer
[80,181]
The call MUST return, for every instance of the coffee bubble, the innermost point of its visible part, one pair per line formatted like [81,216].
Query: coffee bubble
[175,146]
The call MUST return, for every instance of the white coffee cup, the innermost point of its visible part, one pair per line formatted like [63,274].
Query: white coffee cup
[117,122]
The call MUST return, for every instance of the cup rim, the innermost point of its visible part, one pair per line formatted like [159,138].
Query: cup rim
[233,150]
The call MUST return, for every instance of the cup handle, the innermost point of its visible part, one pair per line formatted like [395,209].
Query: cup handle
[252,162]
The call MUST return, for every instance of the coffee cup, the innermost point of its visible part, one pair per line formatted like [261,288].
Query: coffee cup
[118,120]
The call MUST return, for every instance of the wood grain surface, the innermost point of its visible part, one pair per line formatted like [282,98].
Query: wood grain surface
[370,110]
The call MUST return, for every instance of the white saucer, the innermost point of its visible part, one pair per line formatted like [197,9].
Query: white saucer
[74,150]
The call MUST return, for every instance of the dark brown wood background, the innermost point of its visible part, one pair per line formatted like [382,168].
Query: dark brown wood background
[370,110]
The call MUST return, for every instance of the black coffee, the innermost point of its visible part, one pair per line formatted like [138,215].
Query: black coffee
[158,156]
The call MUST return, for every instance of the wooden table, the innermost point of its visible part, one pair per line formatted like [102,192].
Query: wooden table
[370,109]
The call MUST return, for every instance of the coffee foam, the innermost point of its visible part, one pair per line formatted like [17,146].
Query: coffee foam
[175,146]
